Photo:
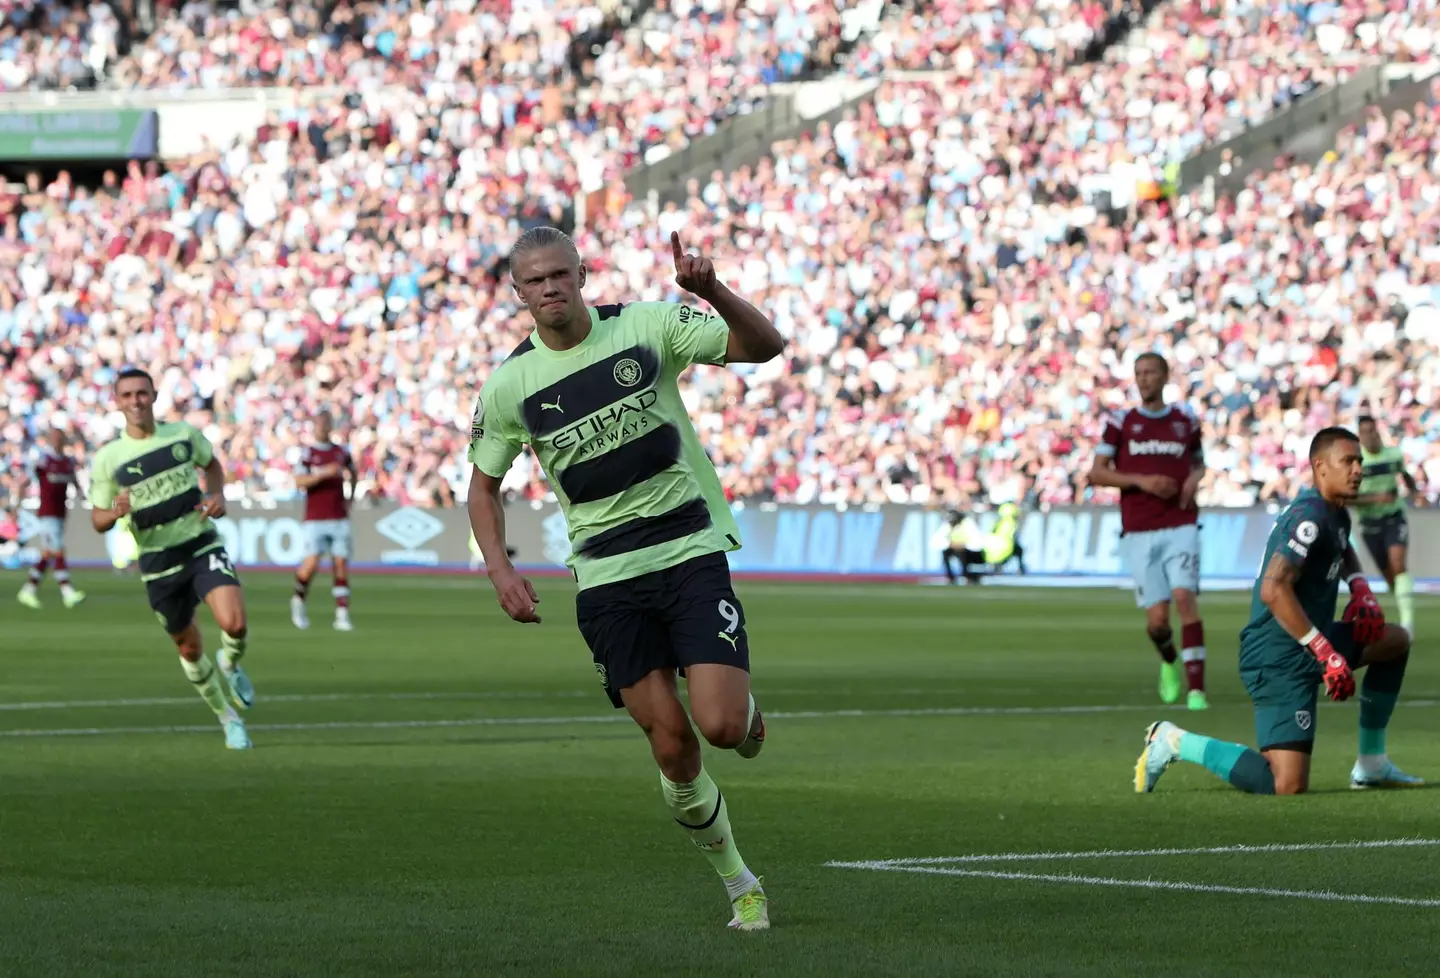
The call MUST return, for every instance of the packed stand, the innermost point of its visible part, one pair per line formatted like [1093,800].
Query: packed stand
[904,380]
[180,47]
[970,36]
[56,45]
[371,235]
[978,359]
[974,37]
[631,87]
[975,358]
[689,64]
[1191,73]
[1202,71]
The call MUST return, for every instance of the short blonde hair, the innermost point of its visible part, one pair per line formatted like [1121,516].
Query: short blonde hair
[543,237]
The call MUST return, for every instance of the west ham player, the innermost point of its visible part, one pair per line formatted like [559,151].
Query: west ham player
[325,468]
[1152,454]
[1293,644]
[53,474]
[593,393]
[149,474]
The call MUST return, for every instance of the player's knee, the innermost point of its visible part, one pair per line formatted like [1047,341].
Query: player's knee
[188,645]
[232,622]
[1394,644]
[727,730]
[1290,779]
[672,746]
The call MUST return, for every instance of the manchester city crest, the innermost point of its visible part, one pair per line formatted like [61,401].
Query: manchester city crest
[180,451]
[627,372]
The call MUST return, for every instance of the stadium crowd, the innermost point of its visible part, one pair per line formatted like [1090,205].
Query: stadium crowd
[960,265]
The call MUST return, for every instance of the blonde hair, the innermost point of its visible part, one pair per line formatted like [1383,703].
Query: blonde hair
[543,237]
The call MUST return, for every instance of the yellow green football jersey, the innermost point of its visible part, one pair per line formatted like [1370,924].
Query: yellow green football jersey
[611,432]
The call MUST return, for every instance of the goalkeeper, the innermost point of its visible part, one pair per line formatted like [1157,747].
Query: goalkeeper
[1291,646]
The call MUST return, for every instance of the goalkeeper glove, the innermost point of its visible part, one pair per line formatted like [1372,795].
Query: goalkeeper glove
[1339,678]
[1363,613]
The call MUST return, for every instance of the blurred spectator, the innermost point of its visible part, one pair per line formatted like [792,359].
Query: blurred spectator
[964,267]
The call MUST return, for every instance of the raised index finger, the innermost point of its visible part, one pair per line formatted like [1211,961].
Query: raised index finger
[675,248]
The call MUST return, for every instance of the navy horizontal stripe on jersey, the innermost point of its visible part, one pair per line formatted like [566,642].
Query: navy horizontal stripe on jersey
[648,531]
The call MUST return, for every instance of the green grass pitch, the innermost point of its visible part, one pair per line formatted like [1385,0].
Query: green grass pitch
[443,792]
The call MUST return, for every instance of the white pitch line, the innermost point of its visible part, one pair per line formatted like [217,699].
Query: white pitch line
[37,705]
[27,706]
[293,698]
[958,711]
[329,725]
[1326,895]
[939,711]
[1006,857]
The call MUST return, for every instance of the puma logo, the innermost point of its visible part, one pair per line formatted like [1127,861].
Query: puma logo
[732,639]
[136,469]
[552,407]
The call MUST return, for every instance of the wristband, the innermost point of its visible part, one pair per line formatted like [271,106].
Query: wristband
[1310,636]
[1357,576]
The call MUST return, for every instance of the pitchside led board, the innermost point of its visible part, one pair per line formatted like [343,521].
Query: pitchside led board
[101,135]
[887,540]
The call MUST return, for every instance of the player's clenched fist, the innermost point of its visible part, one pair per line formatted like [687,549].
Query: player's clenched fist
[1339,677]
[516,595]
[121,506]
[692,272]
[1363,613]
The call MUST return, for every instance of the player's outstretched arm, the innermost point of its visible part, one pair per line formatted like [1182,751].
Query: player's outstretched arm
[753,337]
[487,521]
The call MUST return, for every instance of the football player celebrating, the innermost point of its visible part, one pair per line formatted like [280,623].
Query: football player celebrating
[593,392]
